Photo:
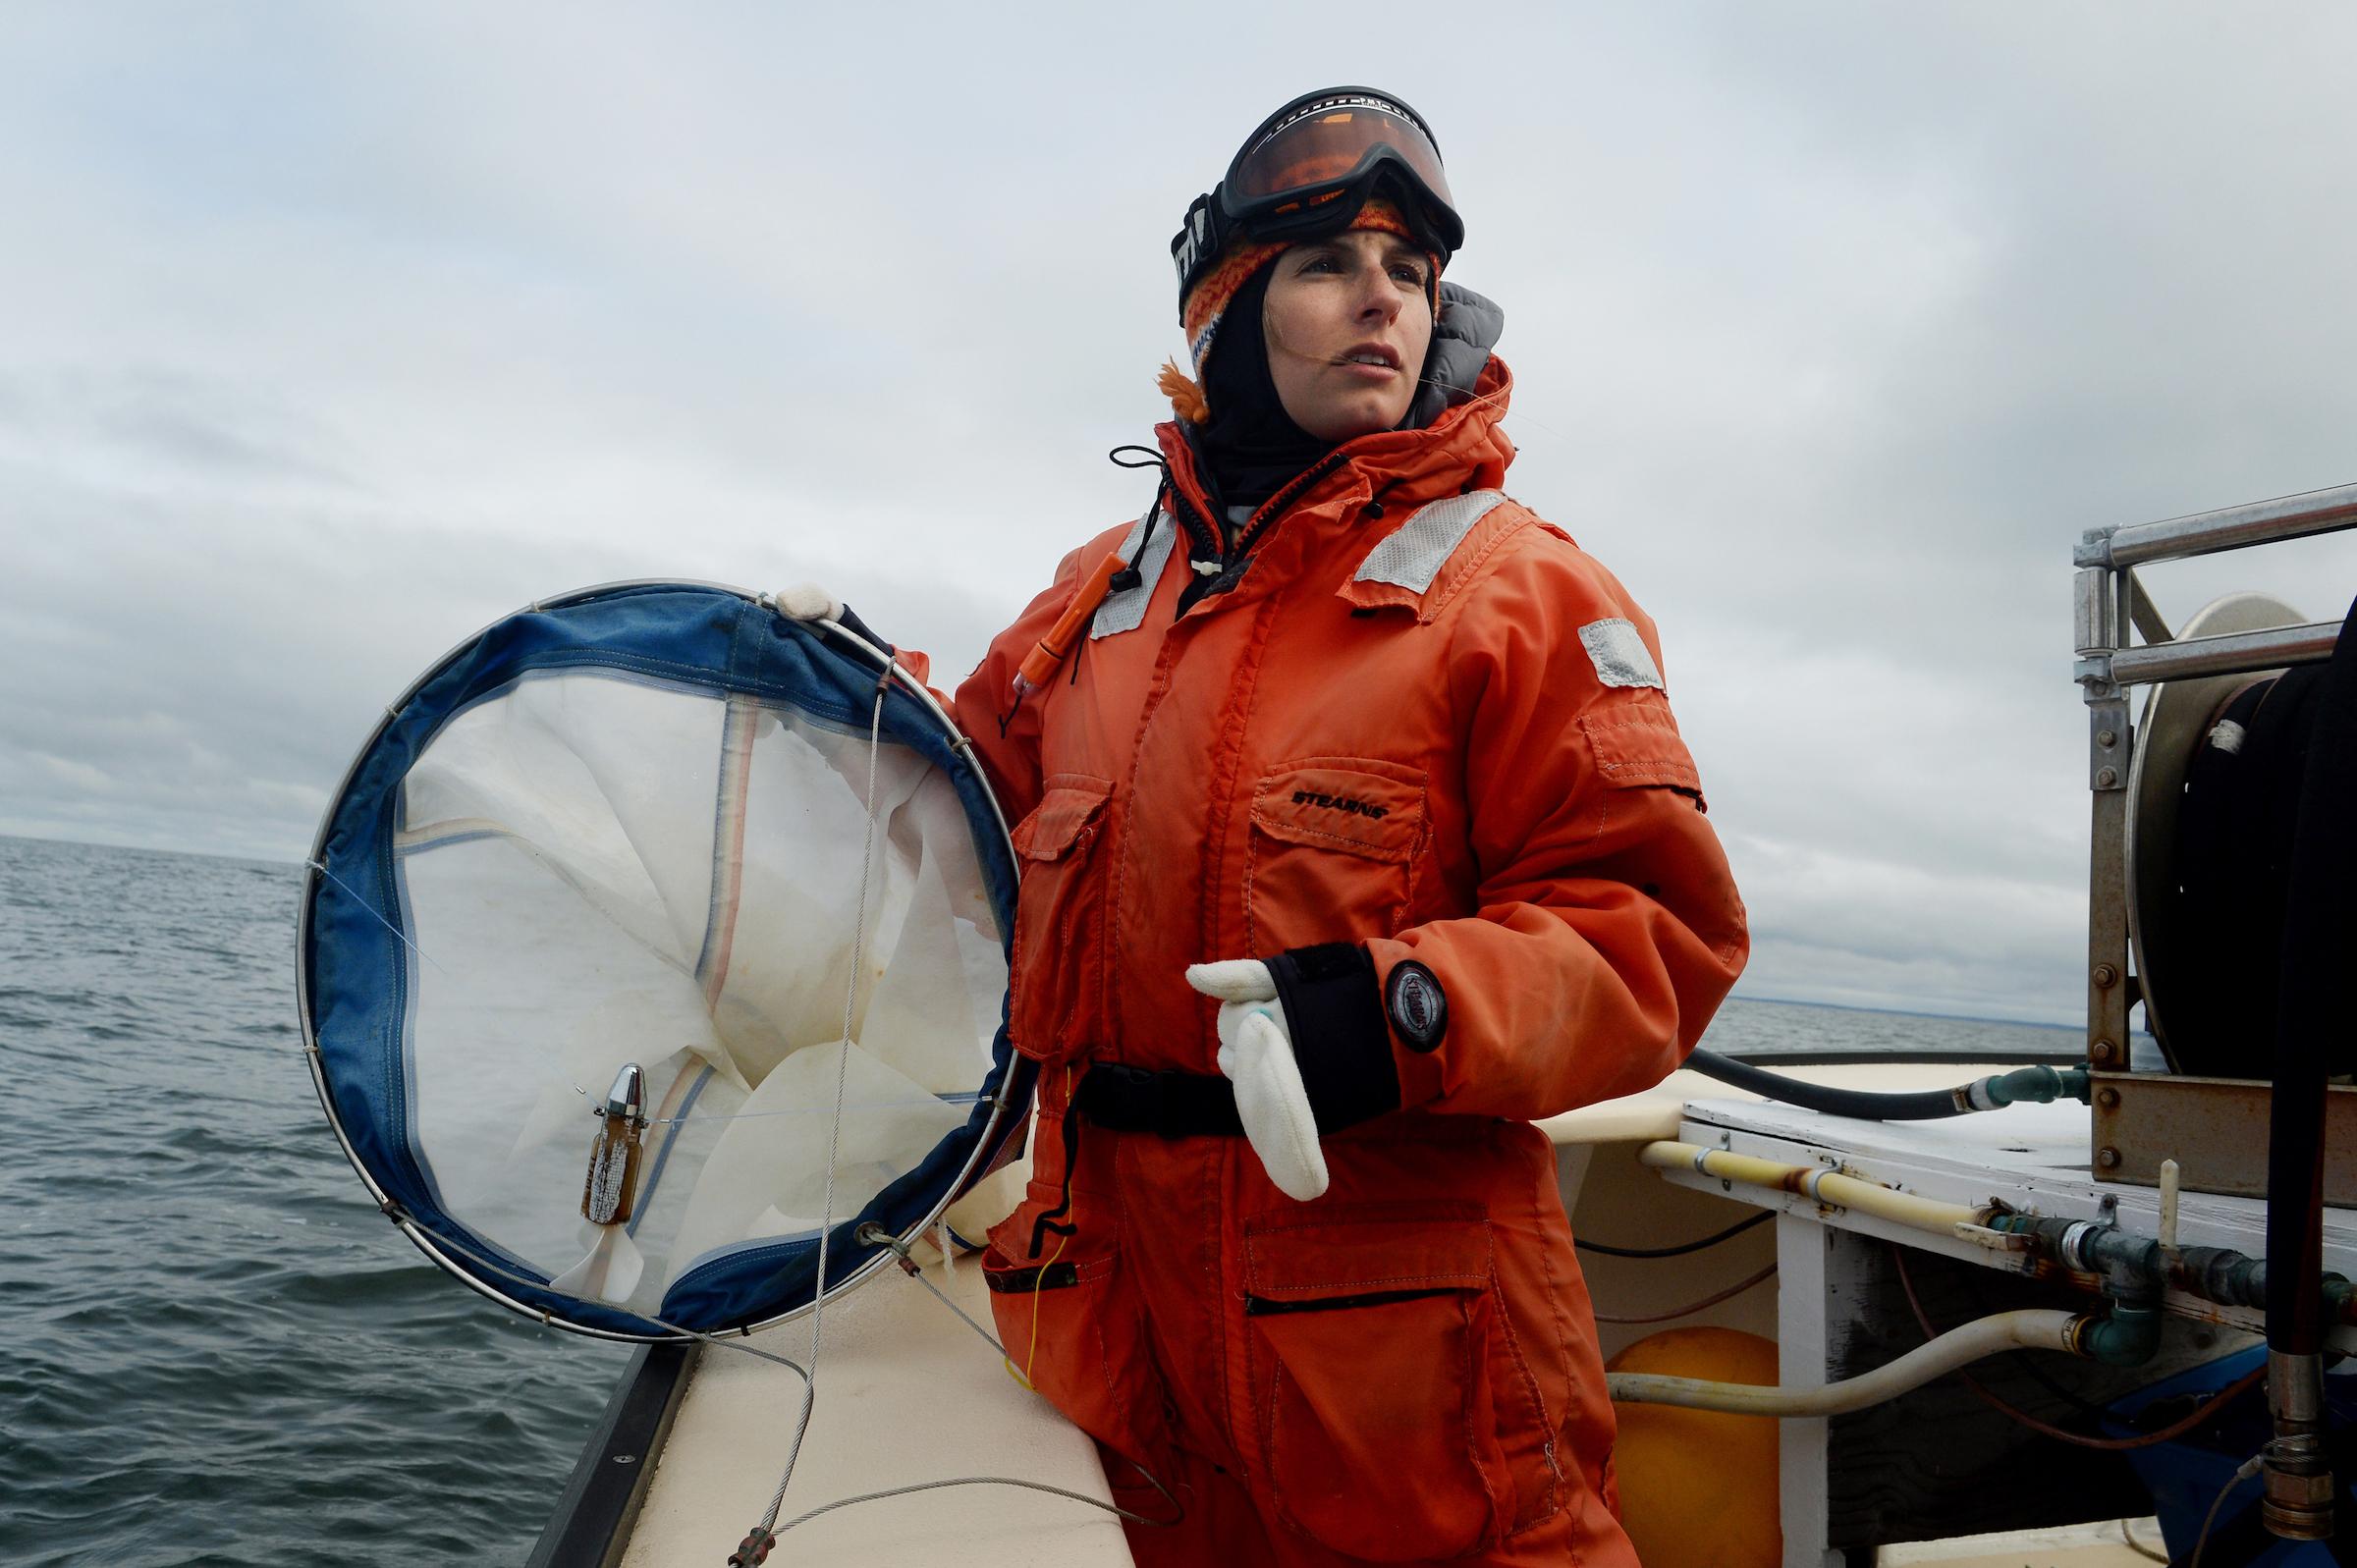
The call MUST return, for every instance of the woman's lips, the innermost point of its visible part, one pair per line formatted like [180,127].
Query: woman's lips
[1361,362]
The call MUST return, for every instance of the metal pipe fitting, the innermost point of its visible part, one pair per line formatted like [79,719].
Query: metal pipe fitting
[2130,1333]
[2070,1251]
[2297,1474]
[2041,1086]
[2091,613]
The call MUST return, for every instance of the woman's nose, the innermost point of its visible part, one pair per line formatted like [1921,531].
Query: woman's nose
[1378,298]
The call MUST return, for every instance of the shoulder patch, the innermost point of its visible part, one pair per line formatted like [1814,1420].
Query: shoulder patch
[1413,555]
[1618,653]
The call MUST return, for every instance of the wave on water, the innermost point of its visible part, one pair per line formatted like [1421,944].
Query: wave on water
[218,1351]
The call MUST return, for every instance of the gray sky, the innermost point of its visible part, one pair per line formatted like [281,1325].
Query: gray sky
[329,333]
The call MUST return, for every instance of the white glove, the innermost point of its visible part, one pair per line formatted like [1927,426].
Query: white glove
[807,601]
[1256,1053]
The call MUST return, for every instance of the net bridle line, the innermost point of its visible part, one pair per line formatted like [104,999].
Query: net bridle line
[843,1062]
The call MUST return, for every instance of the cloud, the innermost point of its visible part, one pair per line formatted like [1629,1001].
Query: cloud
[334,335]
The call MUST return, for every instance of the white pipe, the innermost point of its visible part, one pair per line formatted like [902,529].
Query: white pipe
[2039,1330]
[1825,1186]
[2170,1175]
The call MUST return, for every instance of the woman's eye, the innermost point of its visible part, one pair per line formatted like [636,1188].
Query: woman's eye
[1410,274]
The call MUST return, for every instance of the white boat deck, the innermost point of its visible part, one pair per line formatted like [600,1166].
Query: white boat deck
[906,1394]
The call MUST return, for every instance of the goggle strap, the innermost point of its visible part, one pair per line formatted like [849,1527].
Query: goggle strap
[1198,240]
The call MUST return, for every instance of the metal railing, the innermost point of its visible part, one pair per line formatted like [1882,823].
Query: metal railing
[2228,528]
[2110,608]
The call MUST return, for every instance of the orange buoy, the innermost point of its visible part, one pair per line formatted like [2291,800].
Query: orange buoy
[1698,1488]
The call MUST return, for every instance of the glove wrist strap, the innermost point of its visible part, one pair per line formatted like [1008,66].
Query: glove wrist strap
[1341,1042]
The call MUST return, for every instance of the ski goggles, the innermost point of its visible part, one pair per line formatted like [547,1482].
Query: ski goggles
[1307,171]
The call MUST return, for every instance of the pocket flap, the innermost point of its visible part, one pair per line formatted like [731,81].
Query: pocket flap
[1346,806]
[1057,825]
[1007,1278]
[1637,744]
[1442,1245]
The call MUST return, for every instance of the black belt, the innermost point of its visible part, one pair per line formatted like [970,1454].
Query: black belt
[1176,1105]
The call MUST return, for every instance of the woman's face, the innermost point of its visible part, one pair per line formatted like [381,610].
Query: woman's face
[1347,320]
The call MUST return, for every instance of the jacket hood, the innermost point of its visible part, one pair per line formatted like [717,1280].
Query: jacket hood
[1465,330]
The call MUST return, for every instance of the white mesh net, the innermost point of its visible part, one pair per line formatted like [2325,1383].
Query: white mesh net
[598,868]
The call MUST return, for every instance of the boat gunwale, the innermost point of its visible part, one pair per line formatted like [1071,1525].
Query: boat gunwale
[590,1526]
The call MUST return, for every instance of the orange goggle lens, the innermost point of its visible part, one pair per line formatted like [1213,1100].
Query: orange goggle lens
[1331,142]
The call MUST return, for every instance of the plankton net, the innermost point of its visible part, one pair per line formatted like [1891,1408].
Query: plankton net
[577,939]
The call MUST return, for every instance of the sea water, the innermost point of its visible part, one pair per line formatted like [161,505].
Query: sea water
[212,1348]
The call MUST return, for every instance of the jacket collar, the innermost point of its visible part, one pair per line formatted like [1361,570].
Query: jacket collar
[1462,450]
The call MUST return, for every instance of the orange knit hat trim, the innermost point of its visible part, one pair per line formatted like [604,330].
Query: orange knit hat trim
[1207,302]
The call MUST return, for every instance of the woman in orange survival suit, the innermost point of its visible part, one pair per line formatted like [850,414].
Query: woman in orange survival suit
[1356,834]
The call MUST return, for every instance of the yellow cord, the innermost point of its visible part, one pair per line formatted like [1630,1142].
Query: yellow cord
[1022,1374]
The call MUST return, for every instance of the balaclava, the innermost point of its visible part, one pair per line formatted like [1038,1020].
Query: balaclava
[1249,445]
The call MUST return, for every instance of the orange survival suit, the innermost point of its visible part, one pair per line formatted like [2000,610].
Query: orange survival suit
[1410,715]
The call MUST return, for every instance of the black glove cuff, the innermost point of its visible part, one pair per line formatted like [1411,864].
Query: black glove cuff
[1334,1011]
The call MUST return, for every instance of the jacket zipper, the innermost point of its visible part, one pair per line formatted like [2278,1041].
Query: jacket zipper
[1201,532]
[1254,527]
[1273,508]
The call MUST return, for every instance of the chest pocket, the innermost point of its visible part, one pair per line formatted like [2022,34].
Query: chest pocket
[1334,842]
[1056,985]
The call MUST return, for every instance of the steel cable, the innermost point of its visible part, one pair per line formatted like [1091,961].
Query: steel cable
[842,1064]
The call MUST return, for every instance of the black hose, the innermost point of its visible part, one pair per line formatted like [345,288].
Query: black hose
[2300,1495]
[1928,1106]
[2319,929]
[1682,1248]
